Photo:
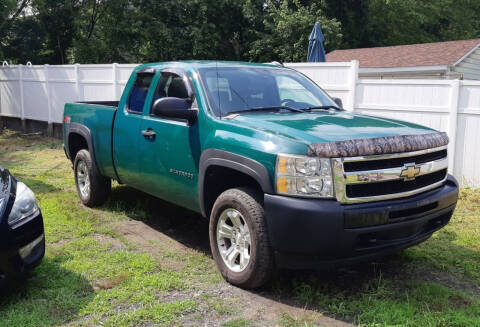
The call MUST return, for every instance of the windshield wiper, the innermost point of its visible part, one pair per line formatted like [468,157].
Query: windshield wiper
[274,108]
[324,108]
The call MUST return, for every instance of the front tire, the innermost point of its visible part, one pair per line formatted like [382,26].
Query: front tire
[92,188]
[239,239]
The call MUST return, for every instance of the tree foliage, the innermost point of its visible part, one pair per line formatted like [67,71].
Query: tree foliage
[287,26]
[103,31]
[10,11]
[395,22]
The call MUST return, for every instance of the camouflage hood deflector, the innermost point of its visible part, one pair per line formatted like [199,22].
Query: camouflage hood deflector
[378,145]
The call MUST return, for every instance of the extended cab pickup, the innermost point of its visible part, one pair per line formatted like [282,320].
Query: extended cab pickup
[286,177]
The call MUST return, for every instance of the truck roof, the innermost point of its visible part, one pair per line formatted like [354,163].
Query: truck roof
[195,64]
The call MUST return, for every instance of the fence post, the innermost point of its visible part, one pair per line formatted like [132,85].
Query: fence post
[22,100]
[77,82]
[115,91]
[452,122]
[49,102]
[352,84]
[4,64]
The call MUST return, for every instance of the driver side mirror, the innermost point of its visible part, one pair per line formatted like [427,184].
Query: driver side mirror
[339,102]
[171,107]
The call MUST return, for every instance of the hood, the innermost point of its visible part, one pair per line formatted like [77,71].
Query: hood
[315,127]
[5,179]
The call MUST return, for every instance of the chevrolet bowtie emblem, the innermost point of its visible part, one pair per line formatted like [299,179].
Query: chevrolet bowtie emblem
[410,171]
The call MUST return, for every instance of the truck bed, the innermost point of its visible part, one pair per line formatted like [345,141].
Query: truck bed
[98,118]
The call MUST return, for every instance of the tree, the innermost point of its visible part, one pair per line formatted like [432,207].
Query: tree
[395,22]
[57,18]
[24,42]
[107,31]
[288,24]
[353,14]
[150,30]
[102,31]
[10,11]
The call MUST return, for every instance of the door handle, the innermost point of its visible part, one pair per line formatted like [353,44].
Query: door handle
[148,133]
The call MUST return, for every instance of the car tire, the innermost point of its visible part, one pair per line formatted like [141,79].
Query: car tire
[256,265]
[92,188]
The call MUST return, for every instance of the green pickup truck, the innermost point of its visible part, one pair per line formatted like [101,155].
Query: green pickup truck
[286,177]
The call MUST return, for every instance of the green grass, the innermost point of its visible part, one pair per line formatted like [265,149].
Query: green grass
[238,322]
[82,278]
[93,274]
[434,284]
[287,320]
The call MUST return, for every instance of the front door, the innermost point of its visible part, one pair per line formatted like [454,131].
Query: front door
[127,136]
[169,148]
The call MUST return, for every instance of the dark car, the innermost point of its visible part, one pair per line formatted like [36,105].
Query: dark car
[22,241]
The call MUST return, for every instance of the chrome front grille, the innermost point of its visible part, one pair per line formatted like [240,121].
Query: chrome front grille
[382,177]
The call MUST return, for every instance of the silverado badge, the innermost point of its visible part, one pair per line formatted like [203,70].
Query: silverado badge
[181,173]
[409,172]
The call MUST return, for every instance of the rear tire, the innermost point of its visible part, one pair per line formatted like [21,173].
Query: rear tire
[239,238]
[92,188]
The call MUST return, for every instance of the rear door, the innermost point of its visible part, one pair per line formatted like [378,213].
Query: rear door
[126,132]
[168,164]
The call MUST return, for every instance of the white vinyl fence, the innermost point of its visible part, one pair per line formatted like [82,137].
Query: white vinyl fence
[39,93]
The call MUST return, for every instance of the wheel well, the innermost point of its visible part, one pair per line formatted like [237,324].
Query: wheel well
[219,179]
[76,142]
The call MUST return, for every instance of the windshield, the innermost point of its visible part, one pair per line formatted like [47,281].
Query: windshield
[236,89]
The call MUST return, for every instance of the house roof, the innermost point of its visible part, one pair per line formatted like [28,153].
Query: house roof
[425,54]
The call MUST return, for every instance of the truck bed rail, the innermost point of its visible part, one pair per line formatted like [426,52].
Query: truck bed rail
[101,103]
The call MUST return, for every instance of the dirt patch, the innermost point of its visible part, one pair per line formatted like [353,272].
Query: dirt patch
[408,271]
[153,242]
[61,242]
[108,283]
[215,301]
[112,242]
[225,302]
[259,308]
[446,279]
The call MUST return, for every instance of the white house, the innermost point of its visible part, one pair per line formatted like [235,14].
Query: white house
[438,60]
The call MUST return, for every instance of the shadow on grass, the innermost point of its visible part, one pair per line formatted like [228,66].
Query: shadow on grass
[16,138]
[12,161]
[48,296]
[383,290]
[37,186]
[183,225]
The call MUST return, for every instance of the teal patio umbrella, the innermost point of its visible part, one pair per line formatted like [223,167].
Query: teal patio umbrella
[316,52]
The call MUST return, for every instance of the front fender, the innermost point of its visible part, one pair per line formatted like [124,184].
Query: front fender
[245,165]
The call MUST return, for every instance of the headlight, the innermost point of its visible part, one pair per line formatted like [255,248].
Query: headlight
[25,204]
[304,176]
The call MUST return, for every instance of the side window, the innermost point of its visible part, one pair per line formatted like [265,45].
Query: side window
[139,92]
[170,85]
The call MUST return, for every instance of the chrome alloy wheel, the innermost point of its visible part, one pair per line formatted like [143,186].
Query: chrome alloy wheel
[83,179]
[233,240]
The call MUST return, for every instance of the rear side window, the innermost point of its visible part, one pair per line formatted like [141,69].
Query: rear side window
[139,92]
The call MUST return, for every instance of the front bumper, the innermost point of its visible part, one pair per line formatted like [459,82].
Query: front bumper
[307,233]
[22,247]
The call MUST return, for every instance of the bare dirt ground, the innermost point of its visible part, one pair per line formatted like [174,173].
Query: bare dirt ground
[262,308]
